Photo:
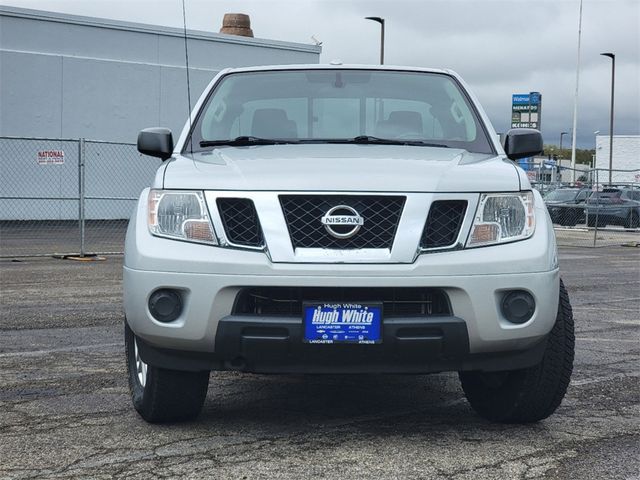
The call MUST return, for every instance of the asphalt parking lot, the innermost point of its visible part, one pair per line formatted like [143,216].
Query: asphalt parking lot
[65,410]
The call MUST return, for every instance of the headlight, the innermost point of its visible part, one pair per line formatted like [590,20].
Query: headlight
[181,215]
[502,217]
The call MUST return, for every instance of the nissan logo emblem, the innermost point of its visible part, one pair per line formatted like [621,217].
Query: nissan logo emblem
[342,221]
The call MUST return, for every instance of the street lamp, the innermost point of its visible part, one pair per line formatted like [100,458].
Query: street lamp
[562,134]
[380,20]
[613,80]
[595,149]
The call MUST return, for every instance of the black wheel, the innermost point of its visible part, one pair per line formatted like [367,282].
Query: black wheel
[530,394]
[159,394]
[591,221]
[571,218]
[632,220]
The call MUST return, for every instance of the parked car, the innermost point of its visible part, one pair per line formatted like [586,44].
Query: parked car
[566,205]
[614,206]
[344,219]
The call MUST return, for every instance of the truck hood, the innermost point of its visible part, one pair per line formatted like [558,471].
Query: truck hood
[335,167]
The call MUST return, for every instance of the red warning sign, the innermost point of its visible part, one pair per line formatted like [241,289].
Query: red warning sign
[50,157]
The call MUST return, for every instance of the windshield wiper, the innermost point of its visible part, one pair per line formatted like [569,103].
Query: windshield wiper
[248,140]
[372,139]
[245,140]
[369,139]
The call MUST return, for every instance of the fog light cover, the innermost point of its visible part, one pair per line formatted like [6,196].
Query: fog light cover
[518,306]
[165,305]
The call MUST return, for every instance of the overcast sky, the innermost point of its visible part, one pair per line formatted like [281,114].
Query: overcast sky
[500,47]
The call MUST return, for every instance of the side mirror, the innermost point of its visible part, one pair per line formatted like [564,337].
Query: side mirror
[522,143]
[157,142]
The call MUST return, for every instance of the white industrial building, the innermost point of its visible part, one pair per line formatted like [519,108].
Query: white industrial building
[69,77]
[626,156]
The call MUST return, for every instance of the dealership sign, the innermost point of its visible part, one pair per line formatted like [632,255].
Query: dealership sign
[50,157]
[526,110]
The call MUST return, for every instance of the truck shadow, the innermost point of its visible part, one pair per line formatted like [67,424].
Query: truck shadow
[300,403]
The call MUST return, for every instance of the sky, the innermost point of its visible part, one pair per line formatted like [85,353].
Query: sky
[500,47]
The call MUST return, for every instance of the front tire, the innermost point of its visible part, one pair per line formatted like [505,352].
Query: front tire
[568,218]
[159,394]
[591,222]
[530,394]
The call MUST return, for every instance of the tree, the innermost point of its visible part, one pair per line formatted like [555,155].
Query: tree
[582,156]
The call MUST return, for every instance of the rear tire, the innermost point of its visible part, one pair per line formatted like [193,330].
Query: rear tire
[159,394]
[633,220]
[530,394]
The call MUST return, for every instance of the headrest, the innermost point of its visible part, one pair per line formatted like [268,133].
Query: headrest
[407,120]
[272,123]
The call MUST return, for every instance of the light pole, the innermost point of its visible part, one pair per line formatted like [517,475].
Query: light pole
[380,20]
[562,134]
[560,156]
[595,149]
[613,81]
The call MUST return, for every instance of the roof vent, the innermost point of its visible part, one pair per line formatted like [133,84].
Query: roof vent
[236,24]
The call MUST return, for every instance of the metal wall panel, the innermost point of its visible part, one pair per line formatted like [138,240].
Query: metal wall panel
[30,94]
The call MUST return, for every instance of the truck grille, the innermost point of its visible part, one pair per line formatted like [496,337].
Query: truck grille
[443,223]
[240,220]
[287,301]
[303,214]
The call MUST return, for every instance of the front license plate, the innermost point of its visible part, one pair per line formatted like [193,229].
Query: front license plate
[343,323]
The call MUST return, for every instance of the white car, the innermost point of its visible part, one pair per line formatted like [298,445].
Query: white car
[344,219]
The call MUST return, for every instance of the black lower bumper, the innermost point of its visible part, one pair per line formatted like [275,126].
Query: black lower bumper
[274,345]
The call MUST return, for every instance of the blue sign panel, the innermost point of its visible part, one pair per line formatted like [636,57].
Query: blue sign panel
[525,164]
[526,99]
[535,98]
[520,99]
[343,323]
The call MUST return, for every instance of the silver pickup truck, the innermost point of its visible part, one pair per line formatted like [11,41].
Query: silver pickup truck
[344,219]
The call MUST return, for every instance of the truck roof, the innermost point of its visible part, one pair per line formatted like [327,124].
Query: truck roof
[338,66]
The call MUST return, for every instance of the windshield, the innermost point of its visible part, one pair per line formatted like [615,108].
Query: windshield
[315,106]
[561,195]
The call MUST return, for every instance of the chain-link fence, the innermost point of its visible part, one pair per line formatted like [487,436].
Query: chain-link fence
[75,196]
[68,196]
[586,208]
